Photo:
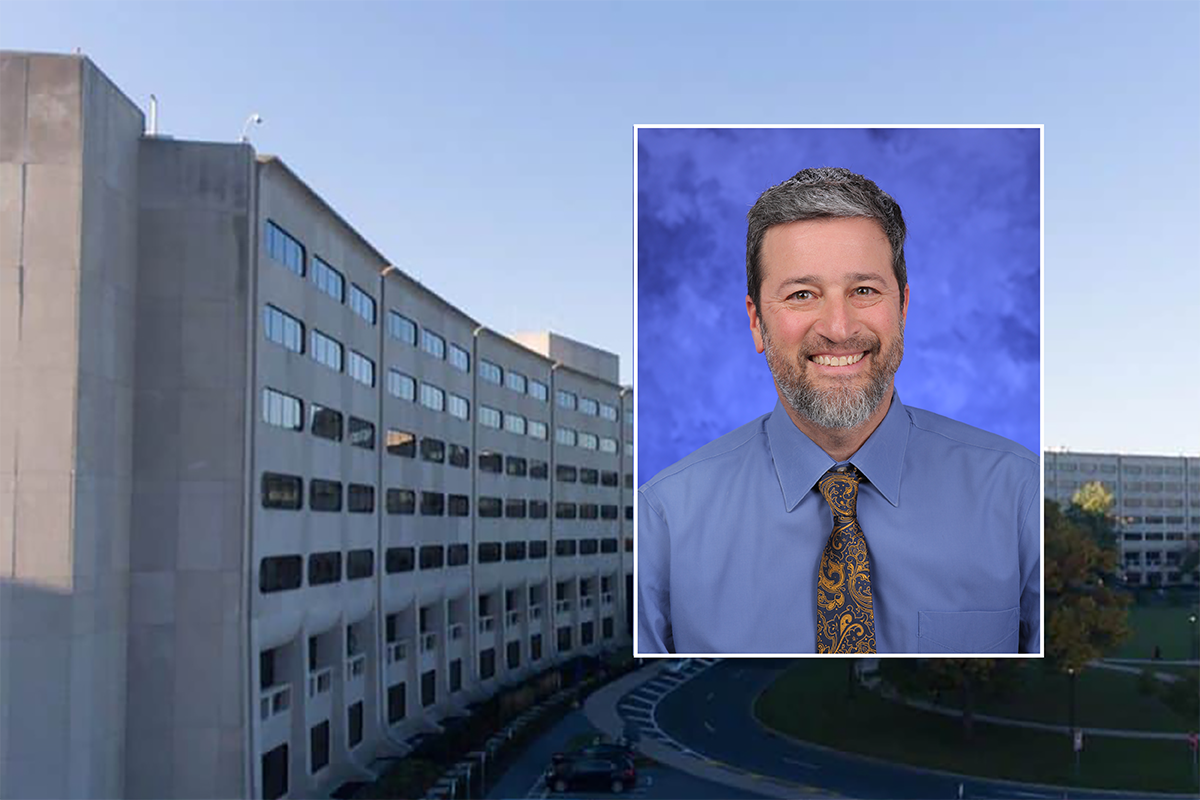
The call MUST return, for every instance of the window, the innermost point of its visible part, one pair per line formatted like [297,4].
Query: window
[564,547]
[609,479]
[516,467]
[514,423]
[512,656]
[354,723]
[455,675]
[432,343]
[535,647]
[282,247]
[401,385]
[491,462]
[489,417]
[588,547]
[588,441]
[433,450]
[490,372]
[401,328]
[328,280]
[489,552]
[629,513]
[538,470]
[516,381]
[490,507]
[460,506]
[539,390]
[566,399]
[275,773]
[282,328]
[318,746]
[432,397]
[587,633]
[401,501]
[608,445]
[361,368]
[514,508]
[362,304]
[589,511]
[433,504]
[606,627]
[459,358]
[459,407]
[324,568]
[325,350]
[401,443]
[399,559]
[587,476]
[279,574]
[588,406]
[608,512]
[428,688]
[514,551]
[537,549]
[566,473]
[538,509]
[608,545]
[487,663]
[432,556]
[608,412]
[628,417]
[629,480]
[457,555]
[325,422]
[360,498]
[360,564]
[564,511]
[282,410]
[460,456]
[565,436]
[281,491]
[537,429]
[324,495]
[362,433]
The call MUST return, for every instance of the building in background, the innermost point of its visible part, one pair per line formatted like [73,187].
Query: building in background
[268,505]
[1156,508]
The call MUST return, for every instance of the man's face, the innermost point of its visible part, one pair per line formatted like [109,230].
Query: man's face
[830,318]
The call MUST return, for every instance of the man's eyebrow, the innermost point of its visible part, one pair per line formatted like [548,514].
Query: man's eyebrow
[856,277]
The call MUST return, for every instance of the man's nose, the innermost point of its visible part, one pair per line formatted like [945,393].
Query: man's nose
[837,322]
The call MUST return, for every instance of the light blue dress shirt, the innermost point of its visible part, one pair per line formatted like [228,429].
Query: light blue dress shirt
[730,538]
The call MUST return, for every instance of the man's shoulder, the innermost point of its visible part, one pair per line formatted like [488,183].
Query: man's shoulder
[951,432]
[713,458]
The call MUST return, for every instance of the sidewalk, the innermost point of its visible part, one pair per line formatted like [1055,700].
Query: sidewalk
[601,711]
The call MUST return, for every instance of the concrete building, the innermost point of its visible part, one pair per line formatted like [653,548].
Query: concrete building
[268,505]
[1157,508]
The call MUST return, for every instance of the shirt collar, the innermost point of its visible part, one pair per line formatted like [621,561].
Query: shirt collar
[800,463]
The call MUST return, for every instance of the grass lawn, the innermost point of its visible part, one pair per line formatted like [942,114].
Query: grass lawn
[1104,699]
[1164,626]
[873,726]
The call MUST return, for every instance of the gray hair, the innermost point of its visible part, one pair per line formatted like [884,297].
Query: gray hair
[820,193]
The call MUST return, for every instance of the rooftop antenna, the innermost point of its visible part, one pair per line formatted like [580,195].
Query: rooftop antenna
[153,116]
[253,119]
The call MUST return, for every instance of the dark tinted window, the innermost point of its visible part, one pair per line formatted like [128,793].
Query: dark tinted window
[433,450]
[589,476]
[487,663]
[514,508]
[629,513]
[564,547]
[433,504]
[516,467]
[589,511]
[537,549]
[395,703]
[566,473]
[514,551]
[360,564]
[608,512]
[354,723]
[609,479]
[399,559]
[432,556]
[459,456]
[280,573]
[489,552]
[538,509]
[564,511]
[460,505]
[282,491]
[490,506]
[539,470]
[629,480]
[608,545]
[458,554]
[275,773]
[324,568]
[362,433]
[360,498]
[588,547]
[490,462]
[401,501]
[325,422]
[324,495]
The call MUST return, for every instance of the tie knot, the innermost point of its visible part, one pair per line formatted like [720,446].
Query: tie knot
[840,489]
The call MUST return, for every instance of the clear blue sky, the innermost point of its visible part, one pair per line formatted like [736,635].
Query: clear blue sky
[487,149]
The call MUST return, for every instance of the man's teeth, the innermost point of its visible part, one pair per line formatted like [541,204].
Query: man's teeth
[838,361]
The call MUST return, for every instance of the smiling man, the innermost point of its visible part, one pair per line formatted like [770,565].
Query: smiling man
[843,521]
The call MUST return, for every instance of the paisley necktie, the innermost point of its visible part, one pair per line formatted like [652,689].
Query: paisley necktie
[845,615]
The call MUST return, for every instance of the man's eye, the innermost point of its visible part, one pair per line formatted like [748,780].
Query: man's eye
[865,291]
[803,294]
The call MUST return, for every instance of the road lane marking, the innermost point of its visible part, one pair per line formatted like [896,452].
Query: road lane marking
[804,764]
[710,728]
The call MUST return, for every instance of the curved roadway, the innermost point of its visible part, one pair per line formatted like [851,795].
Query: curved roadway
[709,714]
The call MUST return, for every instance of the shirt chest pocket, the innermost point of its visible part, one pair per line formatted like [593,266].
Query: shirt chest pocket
[968,631]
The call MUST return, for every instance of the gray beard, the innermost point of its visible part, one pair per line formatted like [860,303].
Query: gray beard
[845,406]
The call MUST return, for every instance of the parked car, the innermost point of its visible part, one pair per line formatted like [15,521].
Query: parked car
[574,771]
[599,748]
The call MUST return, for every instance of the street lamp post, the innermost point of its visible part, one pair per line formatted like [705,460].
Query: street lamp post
[1072,675]
[1195,632]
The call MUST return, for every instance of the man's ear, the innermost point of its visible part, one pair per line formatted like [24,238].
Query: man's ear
[904,308]
[755,324]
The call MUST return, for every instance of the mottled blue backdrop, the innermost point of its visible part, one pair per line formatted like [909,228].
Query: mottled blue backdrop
[971,200]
